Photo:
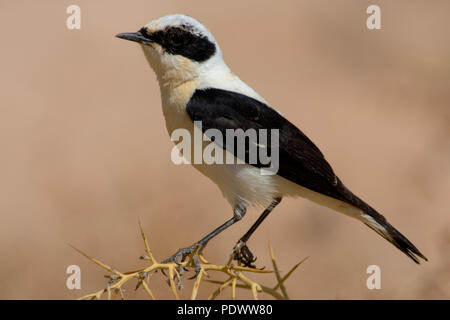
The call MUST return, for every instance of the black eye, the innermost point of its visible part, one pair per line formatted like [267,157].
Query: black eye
[181,41]
[176,39]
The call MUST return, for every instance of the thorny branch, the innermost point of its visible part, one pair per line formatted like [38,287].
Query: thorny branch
[174,272]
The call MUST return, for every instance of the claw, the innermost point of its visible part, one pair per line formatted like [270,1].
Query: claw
[197,266]
[183,253]
[243,255]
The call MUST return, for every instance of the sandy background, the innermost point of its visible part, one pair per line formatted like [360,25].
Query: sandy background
[85,154]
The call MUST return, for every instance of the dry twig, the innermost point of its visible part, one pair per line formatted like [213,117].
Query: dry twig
[235,273]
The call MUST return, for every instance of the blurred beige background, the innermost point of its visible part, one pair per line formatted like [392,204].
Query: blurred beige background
[85,154]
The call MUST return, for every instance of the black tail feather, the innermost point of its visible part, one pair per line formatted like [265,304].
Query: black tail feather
[379,224]
[400,241]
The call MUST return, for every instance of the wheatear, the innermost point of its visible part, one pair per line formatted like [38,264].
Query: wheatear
[197,85]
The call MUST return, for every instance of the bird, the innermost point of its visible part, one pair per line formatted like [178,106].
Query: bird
[200,92]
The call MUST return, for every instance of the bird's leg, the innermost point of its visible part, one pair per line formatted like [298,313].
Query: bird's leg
[181,254]
[241,252]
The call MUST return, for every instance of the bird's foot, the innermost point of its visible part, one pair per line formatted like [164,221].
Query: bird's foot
[242,254]
[193,252]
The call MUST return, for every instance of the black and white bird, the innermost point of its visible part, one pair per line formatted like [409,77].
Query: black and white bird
[197,85]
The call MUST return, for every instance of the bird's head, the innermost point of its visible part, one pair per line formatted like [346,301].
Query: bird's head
[178,48]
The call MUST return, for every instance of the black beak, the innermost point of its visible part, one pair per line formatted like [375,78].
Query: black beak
[134,36]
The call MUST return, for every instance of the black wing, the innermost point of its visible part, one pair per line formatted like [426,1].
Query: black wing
[300,161]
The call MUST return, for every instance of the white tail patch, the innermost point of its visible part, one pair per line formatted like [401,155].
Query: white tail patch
[374,225]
